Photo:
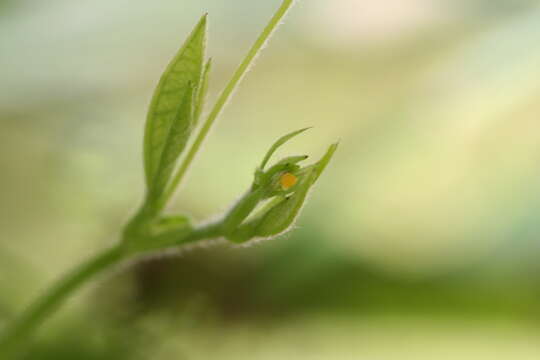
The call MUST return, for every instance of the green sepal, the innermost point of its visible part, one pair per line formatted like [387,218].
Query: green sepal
[282,216]
[282,140]
[241,210]
[280,213]
[289,164]
[247,230]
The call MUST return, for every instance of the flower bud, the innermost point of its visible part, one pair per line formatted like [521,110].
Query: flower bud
[287,185]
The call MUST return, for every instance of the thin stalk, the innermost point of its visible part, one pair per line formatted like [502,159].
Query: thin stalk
[22,328]
[226,95]
[37,312]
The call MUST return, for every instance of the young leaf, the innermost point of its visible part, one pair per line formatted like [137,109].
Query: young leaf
[201,93]
[184,69]
[176,140]
[226,94]
[197,112]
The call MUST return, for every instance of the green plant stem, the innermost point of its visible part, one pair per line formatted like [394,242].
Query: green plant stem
[225,96]
[55,296]
[23,326]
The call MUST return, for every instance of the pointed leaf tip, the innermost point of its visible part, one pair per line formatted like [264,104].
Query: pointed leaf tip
[282,140]
[184,69]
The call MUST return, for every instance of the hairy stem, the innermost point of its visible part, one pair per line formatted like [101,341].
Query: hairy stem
[37,312]
[226,95]
[22,327]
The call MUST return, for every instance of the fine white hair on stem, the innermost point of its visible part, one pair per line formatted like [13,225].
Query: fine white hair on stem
[181,250]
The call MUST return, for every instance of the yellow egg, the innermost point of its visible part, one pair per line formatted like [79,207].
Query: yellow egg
[287,181]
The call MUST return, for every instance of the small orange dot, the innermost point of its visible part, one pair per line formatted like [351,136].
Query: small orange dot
[287,181]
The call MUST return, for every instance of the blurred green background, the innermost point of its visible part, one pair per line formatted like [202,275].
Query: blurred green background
[420,241]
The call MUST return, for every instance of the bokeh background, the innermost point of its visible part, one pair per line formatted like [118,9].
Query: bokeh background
[420,241]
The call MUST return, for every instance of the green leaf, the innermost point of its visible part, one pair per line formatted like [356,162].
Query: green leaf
[226,94]
[175,142]
[184,72]
[282,140]
[201,93]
